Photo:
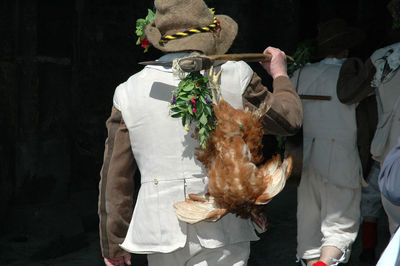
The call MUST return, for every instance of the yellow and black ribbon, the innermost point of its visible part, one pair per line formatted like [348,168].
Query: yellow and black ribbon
[212,27]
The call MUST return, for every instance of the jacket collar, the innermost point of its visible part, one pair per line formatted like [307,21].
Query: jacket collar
[387,60]
[333,61]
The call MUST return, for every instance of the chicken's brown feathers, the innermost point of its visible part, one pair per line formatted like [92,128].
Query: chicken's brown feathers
[237,183]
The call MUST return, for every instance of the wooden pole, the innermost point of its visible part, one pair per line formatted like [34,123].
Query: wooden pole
[315,97]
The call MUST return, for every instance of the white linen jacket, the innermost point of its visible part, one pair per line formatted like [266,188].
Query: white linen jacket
[164,153]
[388,98]
[329,127]
[142,136]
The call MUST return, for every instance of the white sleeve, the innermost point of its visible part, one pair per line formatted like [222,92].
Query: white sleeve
[246,74]
[236,76]
[118,96]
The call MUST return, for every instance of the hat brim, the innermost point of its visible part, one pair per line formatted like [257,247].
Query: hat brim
[345,40]
[209,43]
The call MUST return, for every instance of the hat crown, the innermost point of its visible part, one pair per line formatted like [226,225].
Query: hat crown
[175,19]
[331,29]
[335,35]
[179,15]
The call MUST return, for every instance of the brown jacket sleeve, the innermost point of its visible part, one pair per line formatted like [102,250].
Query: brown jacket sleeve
[284,117]
[354,83]
[116,188]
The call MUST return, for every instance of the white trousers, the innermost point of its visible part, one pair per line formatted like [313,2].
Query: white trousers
[193,254]
[327,215]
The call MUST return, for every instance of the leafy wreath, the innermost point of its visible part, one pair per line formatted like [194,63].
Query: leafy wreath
[192,101]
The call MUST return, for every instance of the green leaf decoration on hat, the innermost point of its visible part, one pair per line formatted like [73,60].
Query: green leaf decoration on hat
[302,55]
[141,24]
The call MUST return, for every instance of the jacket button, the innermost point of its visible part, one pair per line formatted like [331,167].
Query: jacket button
[333,140]
[155,181]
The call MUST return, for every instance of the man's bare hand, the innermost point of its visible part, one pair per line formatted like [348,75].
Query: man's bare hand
[277,66]
[119,261]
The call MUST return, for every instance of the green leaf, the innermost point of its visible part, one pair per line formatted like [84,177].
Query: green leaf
[184,120]
[202,99]
[150,15]
[208,110]
[182,93]
[199,107]
[188,97]
[175,109]
[140,22]
[176,115]
[180,102]
[203,145]
[182,96]
[188,87]
[202,130]
[183,83]
[203,119]
[189,108]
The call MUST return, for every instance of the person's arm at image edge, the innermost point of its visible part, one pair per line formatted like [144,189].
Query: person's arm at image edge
[116,191]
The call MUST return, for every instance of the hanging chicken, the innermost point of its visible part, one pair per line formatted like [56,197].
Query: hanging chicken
[237,183]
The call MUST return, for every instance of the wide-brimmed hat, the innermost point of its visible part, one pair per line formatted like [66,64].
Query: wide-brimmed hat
[178,16]
[335,36]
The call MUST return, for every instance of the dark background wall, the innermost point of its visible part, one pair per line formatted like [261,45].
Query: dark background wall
[60,61]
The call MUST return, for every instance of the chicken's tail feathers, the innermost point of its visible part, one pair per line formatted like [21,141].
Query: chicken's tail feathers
[289,167]
[198,208]
[276,181]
